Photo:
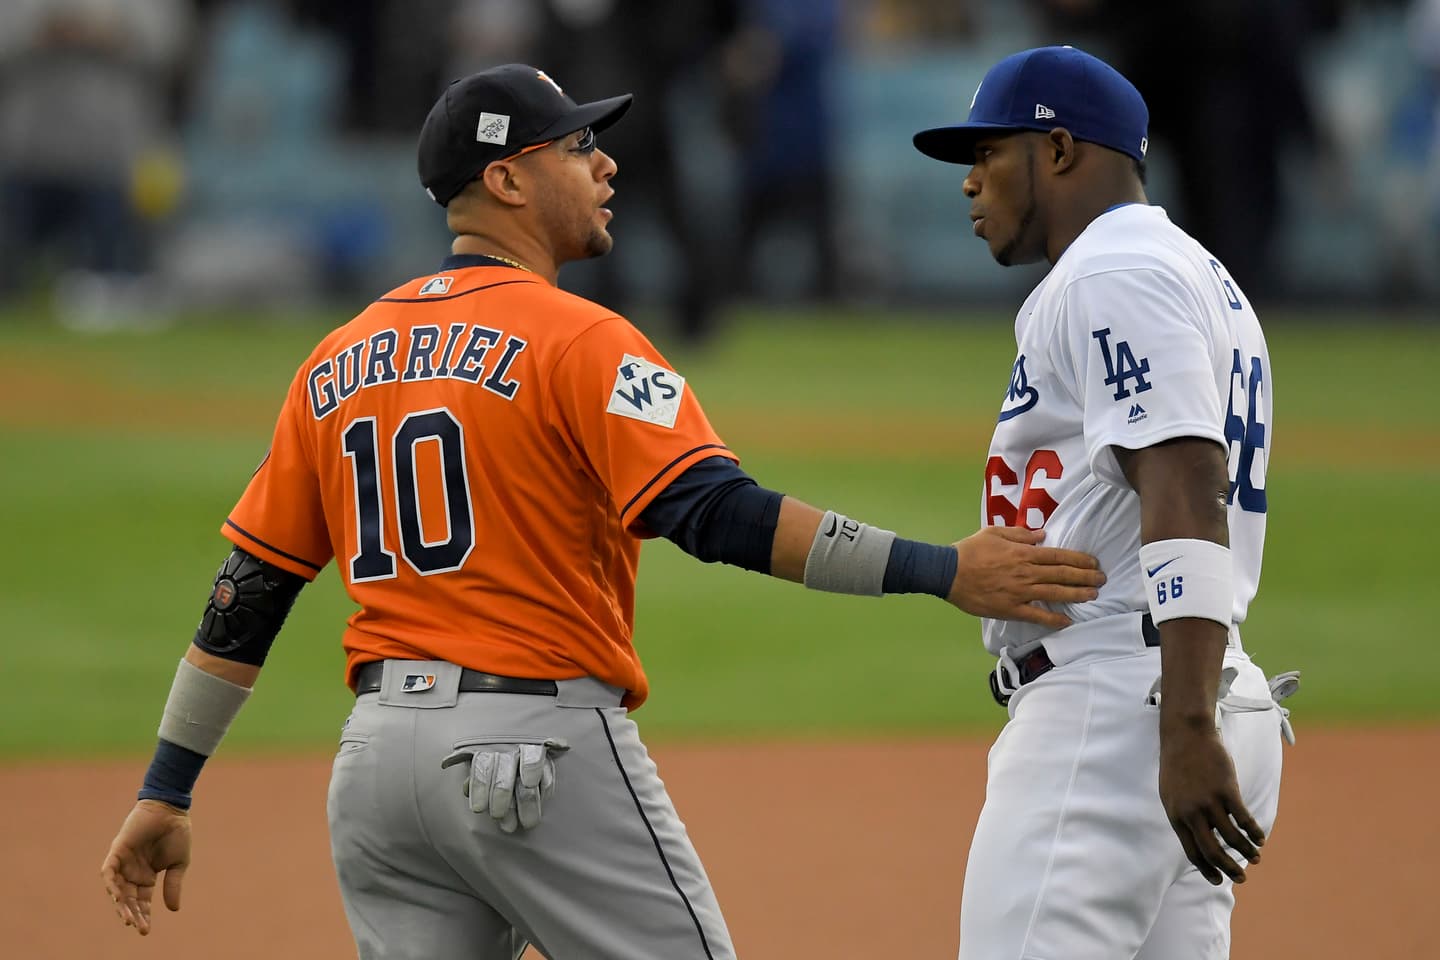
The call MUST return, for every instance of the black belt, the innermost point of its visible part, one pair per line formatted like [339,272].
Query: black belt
[1037,663]
[367,680]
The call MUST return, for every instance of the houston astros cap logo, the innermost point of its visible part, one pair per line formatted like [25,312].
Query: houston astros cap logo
[546,77]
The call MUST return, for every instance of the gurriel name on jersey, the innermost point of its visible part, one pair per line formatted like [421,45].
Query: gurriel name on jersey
[372,361]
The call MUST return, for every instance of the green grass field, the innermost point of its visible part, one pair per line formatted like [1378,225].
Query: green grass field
[123,452]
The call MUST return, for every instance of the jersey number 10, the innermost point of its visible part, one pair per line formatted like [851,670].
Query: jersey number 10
[371,560]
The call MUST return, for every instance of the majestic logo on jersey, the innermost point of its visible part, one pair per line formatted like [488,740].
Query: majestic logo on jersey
[1121,366]
[646,391]
[1021,396]
[1137,413]
[436,285]
[417,682]
[493,128]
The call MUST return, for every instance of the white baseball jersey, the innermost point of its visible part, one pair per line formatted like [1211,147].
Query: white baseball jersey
[1136,335]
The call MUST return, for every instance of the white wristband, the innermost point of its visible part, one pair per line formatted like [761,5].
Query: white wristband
[1188,578]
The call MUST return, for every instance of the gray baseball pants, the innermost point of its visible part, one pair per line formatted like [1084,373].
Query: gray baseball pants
[609,872]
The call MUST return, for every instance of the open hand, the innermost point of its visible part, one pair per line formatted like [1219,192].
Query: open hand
[1202,799]
[1002,572]
[154,839]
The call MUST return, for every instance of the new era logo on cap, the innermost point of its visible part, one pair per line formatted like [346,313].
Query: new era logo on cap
[1043,112]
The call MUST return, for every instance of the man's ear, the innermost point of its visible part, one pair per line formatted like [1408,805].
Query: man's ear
[1062,149]
[502,181]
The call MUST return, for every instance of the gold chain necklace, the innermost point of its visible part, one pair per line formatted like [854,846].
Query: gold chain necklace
[506,260]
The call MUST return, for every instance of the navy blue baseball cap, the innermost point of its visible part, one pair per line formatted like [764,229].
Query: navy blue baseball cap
[496,114]
[1042,89]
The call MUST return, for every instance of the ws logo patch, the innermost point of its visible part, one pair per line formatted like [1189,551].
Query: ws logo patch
[646,391]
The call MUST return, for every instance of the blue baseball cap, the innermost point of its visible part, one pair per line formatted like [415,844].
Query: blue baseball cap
[1042,89]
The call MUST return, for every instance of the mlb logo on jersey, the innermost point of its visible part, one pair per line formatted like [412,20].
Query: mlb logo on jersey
[417,682]
[646,391]
[436,285]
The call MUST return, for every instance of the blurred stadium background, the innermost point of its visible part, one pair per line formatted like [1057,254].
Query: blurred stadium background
[159,157]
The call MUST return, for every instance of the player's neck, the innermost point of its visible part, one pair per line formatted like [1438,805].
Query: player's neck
[1088,207]
[527,256]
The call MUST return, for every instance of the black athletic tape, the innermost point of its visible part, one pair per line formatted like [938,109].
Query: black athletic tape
[248,604]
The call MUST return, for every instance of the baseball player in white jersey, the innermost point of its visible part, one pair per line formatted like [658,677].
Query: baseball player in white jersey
[1136,427]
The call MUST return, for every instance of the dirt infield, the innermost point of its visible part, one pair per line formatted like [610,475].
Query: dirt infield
[810,859]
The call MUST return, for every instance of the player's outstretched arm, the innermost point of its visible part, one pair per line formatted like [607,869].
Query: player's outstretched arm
[1185,561]
[248,603]
[999,572]
[714,511]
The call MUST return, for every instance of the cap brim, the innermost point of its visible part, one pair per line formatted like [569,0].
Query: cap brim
[957,144]
[597,116]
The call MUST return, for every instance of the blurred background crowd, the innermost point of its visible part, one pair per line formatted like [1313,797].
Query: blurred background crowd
[160,156]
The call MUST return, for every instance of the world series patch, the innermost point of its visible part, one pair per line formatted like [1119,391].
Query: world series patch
[646,391]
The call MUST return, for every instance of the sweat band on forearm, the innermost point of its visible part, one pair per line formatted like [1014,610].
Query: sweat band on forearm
[847,556]
[917,567]
[198,712]
[172,775]
[1188,578]
[200,709]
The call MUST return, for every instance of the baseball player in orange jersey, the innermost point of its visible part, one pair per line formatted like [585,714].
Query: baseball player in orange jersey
[481,454]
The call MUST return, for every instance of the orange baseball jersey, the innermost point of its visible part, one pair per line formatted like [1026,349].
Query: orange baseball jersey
[475,449]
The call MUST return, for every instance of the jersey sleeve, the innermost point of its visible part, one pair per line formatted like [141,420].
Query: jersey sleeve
[1141,356]
[280,518]
[630,418]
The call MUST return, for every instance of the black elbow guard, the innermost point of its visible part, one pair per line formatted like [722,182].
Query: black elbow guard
[248,604]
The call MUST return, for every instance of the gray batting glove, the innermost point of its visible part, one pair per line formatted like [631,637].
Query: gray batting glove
[510,781]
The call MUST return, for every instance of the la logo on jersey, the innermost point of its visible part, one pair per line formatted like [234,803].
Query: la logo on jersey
[646,391]
[1122,367]
[417,682]
[436,285]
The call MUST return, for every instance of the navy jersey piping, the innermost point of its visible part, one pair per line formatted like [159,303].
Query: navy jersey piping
[666,469]
[273,549]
